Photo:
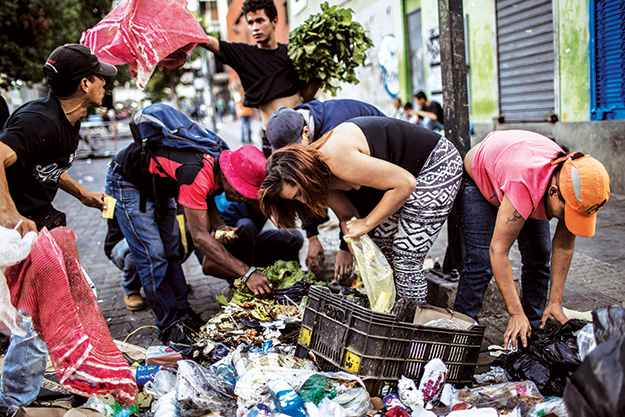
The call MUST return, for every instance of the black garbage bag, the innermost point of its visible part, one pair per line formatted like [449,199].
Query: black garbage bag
[294,293]
[608,323]
[597,388]
[550,358]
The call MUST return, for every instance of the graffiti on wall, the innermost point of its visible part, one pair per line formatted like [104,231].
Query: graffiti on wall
[388,61]
[433,46]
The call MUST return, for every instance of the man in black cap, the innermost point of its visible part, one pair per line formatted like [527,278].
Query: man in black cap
[37,146]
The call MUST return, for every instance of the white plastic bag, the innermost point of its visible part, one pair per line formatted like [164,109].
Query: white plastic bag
[376,273]
[13,249]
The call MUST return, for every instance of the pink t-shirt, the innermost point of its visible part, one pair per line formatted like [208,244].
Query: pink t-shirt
[516,163]
[195,177]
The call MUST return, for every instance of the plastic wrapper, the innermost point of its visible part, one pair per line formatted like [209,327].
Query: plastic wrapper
[162,355]
[286,399]
[316,388]
[422,412]
[375,272]
[476,412]
[608,323]
[243,362]
[506,396]
[433,380]
[596,388]
[166,406]
[409,394]
[549,360]
[449,395]
[396,412]
[392,401]
[443,324]
[224,368]
[551,406]
[329,408]
[200,390]
[586,340]
[13,249]
[164,382]
[355,401]
[496,375]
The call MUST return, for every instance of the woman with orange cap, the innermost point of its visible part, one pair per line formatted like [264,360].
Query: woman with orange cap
[515,181]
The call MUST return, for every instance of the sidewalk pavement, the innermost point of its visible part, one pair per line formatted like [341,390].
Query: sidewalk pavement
[596,277]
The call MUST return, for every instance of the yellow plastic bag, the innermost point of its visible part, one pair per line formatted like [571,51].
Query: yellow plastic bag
[375,272]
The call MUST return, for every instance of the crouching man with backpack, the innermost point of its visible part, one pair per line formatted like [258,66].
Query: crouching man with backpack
[192,177]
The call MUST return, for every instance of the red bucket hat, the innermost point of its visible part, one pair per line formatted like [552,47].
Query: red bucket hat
[244,169]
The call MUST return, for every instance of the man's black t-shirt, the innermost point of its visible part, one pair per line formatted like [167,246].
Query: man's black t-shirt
[437,109]
[45,143]
[4,111]
[265,74]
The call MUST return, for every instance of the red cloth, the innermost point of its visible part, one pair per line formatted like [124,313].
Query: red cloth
[144,33]
[49,285]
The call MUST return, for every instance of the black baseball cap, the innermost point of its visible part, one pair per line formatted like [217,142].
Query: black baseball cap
[73,62]
[284,128]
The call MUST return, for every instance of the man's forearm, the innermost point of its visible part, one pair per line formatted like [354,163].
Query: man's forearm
[7,205]
[563,246]
[502,270]
[217,260]
[67,184]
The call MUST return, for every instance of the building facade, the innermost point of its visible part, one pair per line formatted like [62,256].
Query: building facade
[556,67]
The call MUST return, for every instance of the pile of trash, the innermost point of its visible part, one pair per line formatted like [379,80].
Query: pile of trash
[248,382]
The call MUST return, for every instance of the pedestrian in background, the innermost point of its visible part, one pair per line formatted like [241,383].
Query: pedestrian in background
[245,114]
[515,182]
[430,113]
[398,111]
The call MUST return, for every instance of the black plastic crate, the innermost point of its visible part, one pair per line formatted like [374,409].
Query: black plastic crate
[344,335]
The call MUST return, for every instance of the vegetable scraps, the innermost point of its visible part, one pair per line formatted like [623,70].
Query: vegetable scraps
[328,46]
[282,274]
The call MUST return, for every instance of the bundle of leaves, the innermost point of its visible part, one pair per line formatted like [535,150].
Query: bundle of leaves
[329,46]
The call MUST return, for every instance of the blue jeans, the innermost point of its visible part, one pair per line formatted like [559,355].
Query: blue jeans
[152,237]
[122,258]
[431,124]
[23,368]
[246,125]
[255,246]
[477,217]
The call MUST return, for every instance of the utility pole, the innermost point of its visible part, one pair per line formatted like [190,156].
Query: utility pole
[455,108]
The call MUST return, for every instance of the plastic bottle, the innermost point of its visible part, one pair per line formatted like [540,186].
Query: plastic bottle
[286,399]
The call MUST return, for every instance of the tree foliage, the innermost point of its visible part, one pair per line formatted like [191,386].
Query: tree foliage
[328,46]
[31,29]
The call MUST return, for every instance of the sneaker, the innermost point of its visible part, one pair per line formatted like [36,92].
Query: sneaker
[134,302]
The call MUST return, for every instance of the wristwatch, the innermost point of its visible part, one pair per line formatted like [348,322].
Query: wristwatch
[248,274]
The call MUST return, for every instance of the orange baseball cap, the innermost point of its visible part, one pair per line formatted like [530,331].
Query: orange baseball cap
[585,186]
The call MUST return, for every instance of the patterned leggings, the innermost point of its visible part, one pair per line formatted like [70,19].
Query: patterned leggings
[406,237]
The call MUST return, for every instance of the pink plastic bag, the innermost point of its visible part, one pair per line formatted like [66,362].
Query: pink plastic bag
[146,33]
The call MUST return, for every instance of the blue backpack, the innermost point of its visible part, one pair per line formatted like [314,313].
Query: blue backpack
[160,125]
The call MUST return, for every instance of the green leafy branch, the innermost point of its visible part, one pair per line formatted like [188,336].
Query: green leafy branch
[329,46]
